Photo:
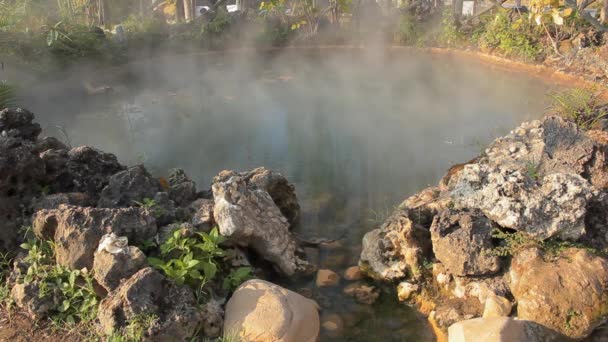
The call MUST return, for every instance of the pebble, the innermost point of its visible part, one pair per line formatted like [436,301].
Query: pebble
[326,278]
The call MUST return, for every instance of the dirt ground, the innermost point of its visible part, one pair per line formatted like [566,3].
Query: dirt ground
[18,327]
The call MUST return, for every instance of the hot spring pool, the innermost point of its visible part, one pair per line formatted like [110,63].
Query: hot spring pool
[355,131]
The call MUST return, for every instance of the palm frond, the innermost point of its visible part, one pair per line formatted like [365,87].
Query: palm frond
[7,96]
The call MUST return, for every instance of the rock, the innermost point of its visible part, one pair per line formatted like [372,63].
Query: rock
[53,201]
[202,214]
[496,306]
[405,290]
[280,190]
[17,122]
[353,273]
[164,210]
[10,223]
[364,294]
[425,205]
[397,249]
[566,294]
[333,325]
[110,268]
[462,241]
[536,179]
[49,143]
[480,287]
[82,169]
[77,231]
[165,232]
[501,329]
[148,293]
[128,187]
[327,278]
[261,311]
[182,189]
[249,217]
[29,298]
[452,310]
[213,318]
[21,170]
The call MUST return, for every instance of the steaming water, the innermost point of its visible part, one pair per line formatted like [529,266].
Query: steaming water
[356,132]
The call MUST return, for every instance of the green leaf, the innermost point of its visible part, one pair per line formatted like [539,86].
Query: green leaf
[26,246]
[156,262]
[209,269]
[65,305]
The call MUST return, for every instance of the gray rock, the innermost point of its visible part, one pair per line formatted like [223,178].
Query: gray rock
[17,122]
[502,329]
[90,169]
[147,292]
[280,190]
[77,231]
[213,318]
[127,187]
[201,211]
[249,217]
[566,294]
[29,298]
[21,170]
[462,241]
[53,201]
[10,223]
[49,143]
[182,189]
[110,269]
[397,249]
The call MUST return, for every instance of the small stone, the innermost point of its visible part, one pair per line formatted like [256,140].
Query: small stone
[405,290]
[333,324]
[364,294]
[327,277]
[353,273]
[443,278]
[513,149]
[497,306]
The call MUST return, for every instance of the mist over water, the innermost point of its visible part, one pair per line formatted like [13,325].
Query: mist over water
[355,131]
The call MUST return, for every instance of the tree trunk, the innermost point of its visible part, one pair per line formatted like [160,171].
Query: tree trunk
[604,13]
[188,10]
[103,15]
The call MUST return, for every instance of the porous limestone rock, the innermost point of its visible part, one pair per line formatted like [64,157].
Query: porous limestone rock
[18,123]
[28,297]
[182,189]
[502,329]
[77,230]
[363,293]
[567,294]
[280,190]
[148,293]
[201,212]
[497,306]
[109,269]
[126,188]
[396,249]
[462,241]
[53,201]
[249,217]
[262,311]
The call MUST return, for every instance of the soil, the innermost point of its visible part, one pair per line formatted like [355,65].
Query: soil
[16,326]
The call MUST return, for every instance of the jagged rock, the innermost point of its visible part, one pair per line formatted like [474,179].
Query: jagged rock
[10,223]
[397,249]
[353,273]
[262,311]
[250,218]
[536,179]
[481,288]
[497,306]
[502,329]
[127,187]
[182,189]
[49,143]
[21,170]
[566,294]
[147,292]
[425,205]
[28,297]
[405,290]
[110,268]
[53,201]
[201,211]
[454,310]
[57,176]
[213,318]
[164,209]
[165,232]
[77,231]
[364,294]
[280,190]
[87,170]
[462,241]
[17,122]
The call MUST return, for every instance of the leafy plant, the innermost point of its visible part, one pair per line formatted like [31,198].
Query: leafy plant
[5,262]
[407,30]
[191,259]
[7,95]
[581,105]
[72,289]
[512,243]
[135,329]
[450,34]
[150,204]
[517,39]
[236,277]
[532,169]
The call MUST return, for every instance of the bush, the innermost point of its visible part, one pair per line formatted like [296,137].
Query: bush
[450,34]
[408,32]
[520,39]
[583,106]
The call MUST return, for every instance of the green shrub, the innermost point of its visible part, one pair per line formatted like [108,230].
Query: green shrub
[147,32]
[7,95]
[408,32]
[450,34]
[583,106]
[520,39]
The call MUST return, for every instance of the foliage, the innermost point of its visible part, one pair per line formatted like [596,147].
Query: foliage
[183,258]
[512,243]
[236,277]
[583,106]
[7,95]
[135,329]
[146,31]
[72,289]
[407,31]
[519,39]
[532,169]
[5,263]
[151,205]
[450,34]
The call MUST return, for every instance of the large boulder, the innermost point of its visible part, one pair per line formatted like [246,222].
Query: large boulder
[462,242]
[77,231]
[17,122]
[397,249]
[540,179]
[126,188]
[280,190]
[502,329]
[262,311]
[567,294]
[249,217]
[173,309]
